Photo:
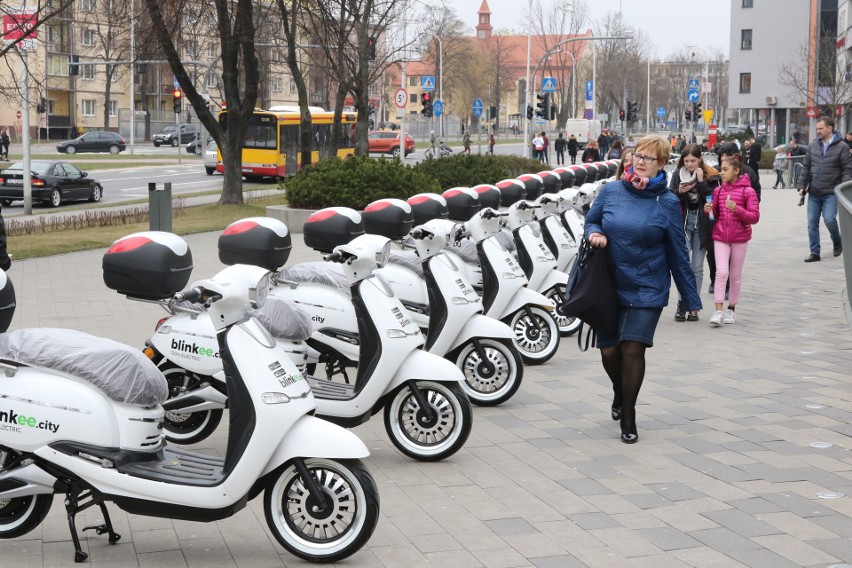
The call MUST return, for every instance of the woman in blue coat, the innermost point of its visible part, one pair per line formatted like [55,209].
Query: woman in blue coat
[640,221]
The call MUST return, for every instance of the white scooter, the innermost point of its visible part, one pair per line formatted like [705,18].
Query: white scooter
[505,293]
[82,418]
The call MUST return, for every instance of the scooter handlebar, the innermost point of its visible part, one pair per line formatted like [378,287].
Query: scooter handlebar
[333,257]
[491,214]
[191,295]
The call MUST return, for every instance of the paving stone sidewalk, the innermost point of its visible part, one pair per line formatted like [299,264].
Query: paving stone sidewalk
[724,474]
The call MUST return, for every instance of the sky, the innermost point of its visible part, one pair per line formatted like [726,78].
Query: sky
[671,24]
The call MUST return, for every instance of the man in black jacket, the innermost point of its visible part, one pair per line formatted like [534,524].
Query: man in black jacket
[828,163]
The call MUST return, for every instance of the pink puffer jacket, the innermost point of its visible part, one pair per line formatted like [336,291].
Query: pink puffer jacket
[735,227]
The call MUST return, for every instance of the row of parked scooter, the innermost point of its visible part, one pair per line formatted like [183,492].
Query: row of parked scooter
[431,303]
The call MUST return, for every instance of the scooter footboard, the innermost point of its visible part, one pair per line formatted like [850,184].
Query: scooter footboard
[425,366]
[312,437]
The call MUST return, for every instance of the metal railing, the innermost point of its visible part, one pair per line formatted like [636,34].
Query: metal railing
[844,218]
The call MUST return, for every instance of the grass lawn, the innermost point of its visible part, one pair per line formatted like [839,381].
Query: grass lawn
[93,165]
[189,220]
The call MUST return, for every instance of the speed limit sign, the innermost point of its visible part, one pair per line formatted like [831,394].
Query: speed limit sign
[400,97]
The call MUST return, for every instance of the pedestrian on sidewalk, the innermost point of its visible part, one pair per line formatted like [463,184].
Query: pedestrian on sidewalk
[466,143]
[572,148]
[614,151]
[638,219]
[538,148]
[4,144]
[735,208]
[693,182]
[491,143]
[559,146]
[828,163]
[778,165]
[625,162]
[591,154]
[546,157]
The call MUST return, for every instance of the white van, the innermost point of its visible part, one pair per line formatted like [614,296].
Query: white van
[584,130]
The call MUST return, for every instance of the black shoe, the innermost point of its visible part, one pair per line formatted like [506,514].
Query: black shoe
[692,316]
[813,258]
[628,431]
[838,249]
[616,413]
[680,312]
[711,289]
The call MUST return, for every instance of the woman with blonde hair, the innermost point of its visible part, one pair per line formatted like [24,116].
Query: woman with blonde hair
[638,219]
[693,182]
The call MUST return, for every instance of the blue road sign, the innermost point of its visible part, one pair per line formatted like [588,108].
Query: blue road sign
[589,86]
[177,85]
[477,107]
[693,84]
[692,95]
[437,107]
[548,84]
[427,82]
[588,114]
[661,111]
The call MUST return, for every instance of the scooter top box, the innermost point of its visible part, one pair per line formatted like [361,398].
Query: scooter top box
[567,176]
[580,175]
[603,170]
[591,172]
[613,166]
[151,265]
[428,206]
[533,183]
[391,218]
[462,203]
[511,190]
[489,195]
[552,181]
[7,302]
[259,241]
[331,227]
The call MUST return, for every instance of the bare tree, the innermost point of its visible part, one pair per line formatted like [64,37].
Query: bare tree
[622,67]
[834,78]
[236,31]
[456,51]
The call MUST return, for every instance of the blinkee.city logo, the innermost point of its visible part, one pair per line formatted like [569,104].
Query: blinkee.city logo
[11,421]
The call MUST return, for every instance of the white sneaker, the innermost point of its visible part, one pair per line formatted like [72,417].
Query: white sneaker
[716,319]
[729,316]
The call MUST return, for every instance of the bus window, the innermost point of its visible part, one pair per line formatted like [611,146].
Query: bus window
[289,139]
[347,136]
[322,136]
[261,133]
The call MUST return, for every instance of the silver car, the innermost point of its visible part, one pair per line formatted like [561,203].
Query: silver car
[209,158]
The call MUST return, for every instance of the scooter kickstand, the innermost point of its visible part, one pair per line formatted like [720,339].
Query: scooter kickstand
[106,527]
[71,510]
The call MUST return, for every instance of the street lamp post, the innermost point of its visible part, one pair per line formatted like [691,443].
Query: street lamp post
[441,81]
[573,84]
[527,86]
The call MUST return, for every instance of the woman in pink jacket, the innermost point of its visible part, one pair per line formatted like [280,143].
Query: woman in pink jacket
[735,208]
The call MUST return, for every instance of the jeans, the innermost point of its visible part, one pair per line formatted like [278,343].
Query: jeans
[693,248]
[827,205]
[560,157]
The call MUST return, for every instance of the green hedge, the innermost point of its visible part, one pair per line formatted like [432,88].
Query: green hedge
[355,182]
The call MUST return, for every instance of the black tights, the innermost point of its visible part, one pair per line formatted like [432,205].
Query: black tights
[625,365]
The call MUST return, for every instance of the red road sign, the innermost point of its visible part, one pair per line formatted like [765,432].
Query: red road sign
[18,114]
[812,112]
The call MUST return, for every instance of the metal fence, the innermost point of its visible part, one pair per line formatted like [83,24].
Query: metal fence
[793,167]
[844,217]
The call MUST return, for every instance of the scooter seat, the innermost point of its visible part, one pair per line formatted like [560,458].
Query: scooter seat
[122,373]
[283,319]
[407,259]
[323,273]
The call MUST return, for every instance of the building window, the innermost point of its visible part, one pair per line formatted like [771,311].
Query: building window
[413,81]
[748,3]
[113,108]
[292,86]
[87,5]
[745,82]
[88,38]
[189,48]
[211,50]
[275,57]
[745,42]
[87,72]
[212,80]
[412,98]
[57,64]
[89,107]
[276,84]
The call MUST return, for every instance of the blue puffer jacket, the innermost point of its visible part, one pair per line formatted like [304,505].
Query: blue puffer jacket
[644,231]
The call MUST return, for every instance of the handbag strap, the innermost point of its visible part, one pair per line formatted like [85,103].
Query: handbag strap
[591,337]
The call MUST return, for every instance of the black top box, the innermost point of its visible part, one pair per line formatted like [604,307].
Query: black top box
[428,206]
[567,175]
[331,227]
[391,218]
[579,175]
[533,183]
[613,166]
[552,181]
[591,172]
[489,195]
[462,203]
[259,241]
[151,265]
[511,191]
[7,302]
[603,170]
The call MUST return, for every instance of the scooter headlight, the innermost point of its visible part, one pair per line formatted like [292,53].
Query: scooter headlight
[383,256]
[260,291]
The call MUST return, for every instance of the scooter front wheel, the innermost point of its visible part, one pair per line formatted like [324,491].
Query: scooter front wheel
[187,427]
[327,529]
[536,334]
[493,370]
[20,515]
[567,325]
[429,434]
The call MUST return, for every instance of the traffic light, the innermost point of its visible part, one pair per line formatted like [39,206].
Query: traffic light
[541,106]
[177,98]
[688,115]
[632,110]
[529,112]
[371,48]
[553,110]
[41,107]
[696,111]
[492,111]
[621,115]
[426,103]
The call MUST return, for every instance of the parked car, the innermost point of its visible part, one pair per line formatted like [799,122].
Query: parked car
[53,182]
[94,141]
[169,135]
[387,142]
[197,147]
[209,158]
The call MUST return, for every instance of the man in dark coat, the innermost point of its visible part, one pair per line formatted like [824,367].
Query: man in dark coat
[753,155]
[828,163]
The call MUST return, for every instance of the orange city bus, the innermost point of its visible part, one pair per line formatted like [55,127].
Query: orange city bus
[271,146]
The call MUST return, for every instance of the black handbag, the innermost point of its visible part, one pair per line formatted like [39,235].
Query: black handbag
[590,294]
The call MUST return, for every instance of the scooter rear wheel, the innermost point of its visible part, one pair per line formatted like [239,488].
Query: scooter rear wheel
[494,378]
[335,532]
[536,337]
[20,515]
[187,427]
[437,435]
[567,325]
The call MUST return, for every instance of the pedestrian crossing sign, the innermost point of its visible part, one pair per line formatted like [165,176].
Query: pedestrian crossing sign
[427,82]
[548,85]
